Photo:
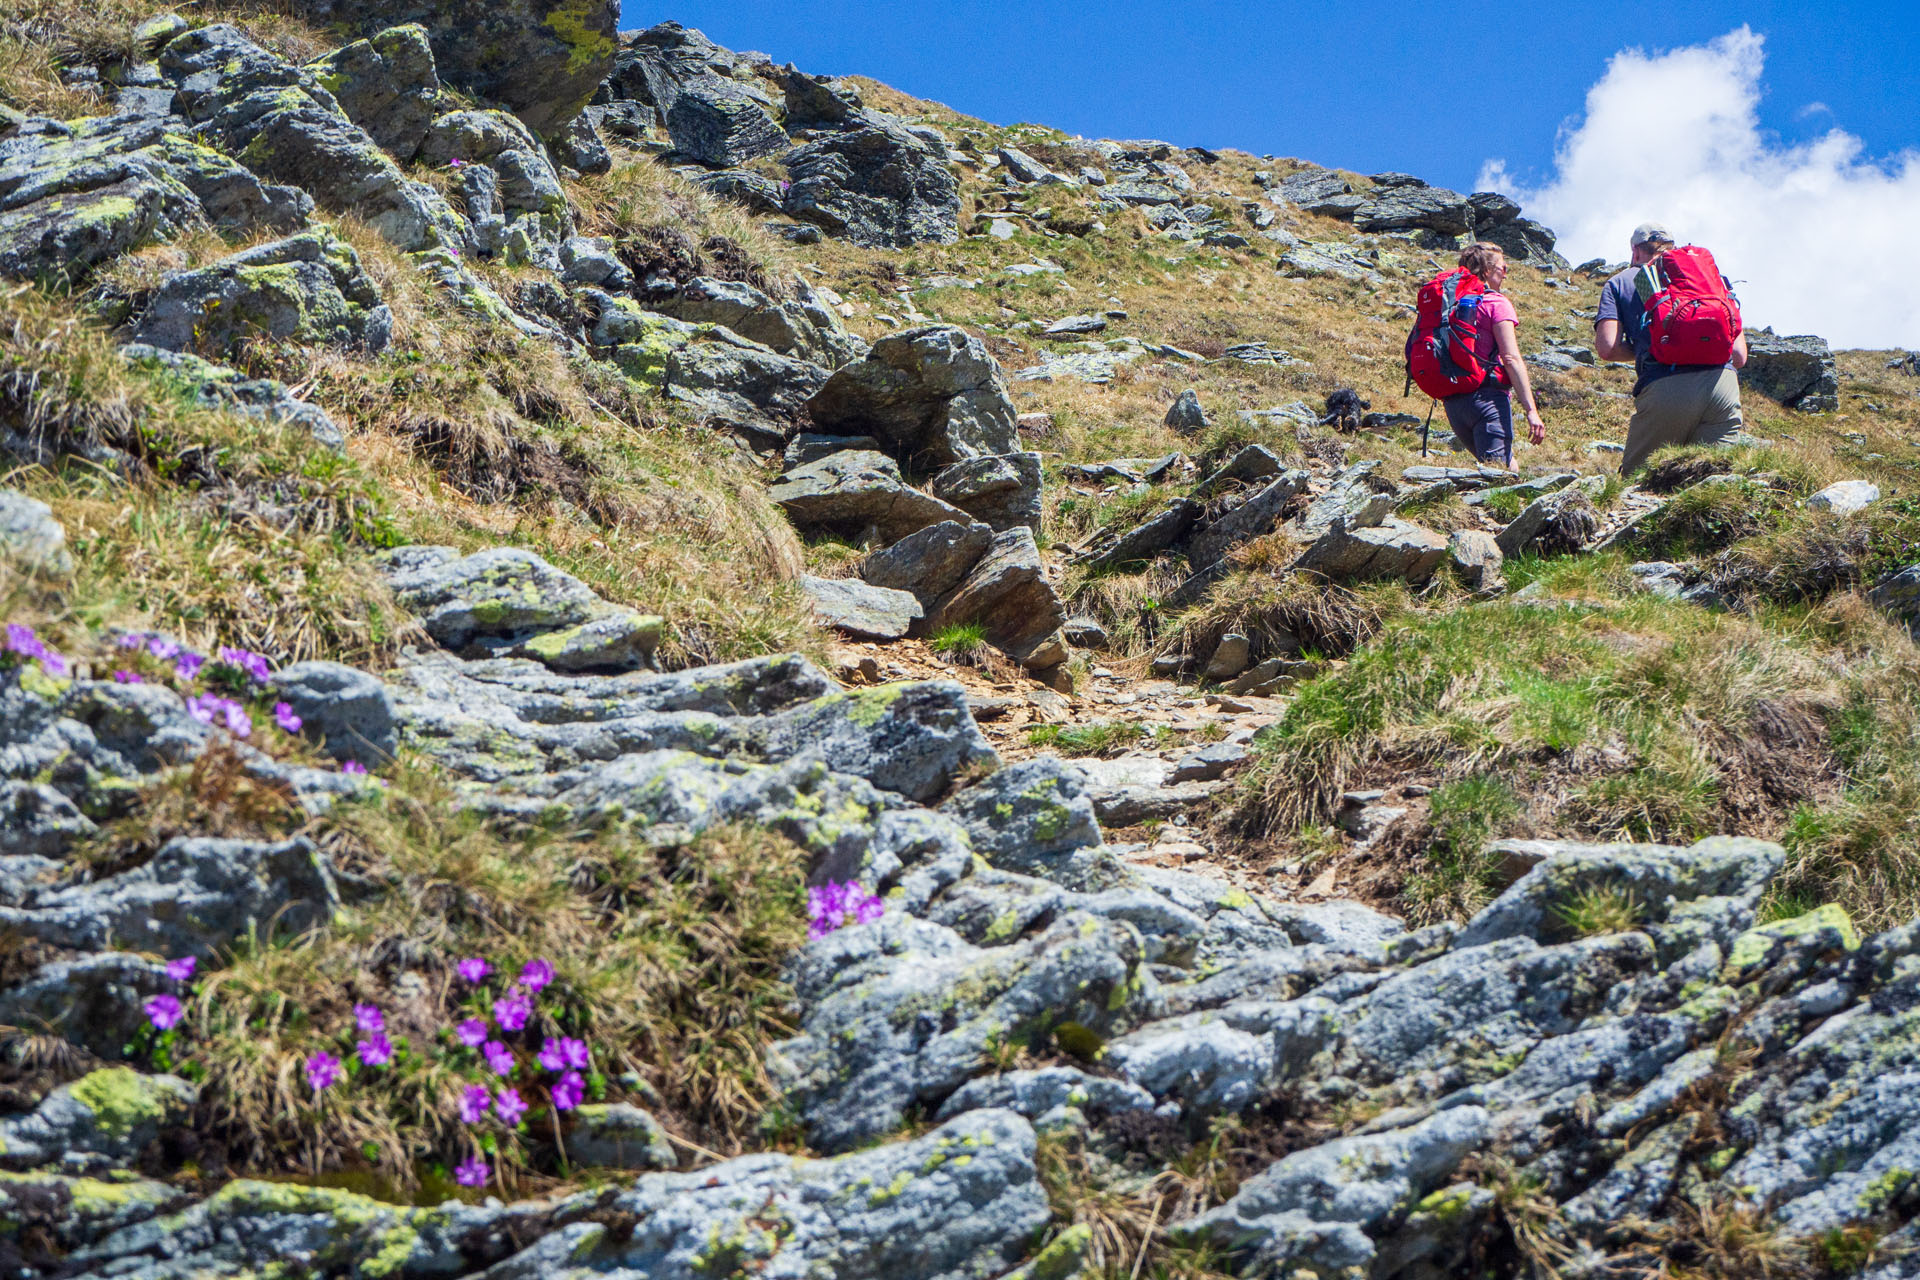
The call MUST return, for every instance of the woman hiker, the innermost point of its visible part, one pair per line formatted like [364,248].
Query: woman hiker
[1483,419]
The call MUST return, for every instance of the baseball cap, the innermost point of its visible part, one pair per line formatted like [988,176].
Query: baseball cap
[1648,231]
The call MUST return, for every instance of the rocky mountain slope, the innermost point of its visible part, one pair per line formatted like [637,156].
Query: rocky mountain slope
[624,660]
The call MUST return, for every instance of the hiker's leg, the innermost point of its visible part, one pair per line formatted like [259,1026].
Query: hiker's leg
[1496,429]
[1665,412]
[1720,417]
[1462,418]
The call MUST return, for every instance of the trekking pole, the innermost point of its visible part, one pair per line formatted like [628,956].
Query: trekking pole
[1427,426]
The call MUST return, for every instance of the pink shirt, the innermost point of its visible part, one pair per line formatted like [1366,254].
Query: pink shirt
[1494,307]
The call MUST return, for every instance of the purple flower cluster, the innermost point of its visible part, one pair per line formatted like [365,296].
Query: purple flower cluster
[211,708]
[164,1011]
[24,641]
[248,662]
[832,906]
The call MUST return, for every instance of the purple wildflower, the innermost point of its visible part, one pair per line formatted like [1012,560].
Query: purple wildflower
[162,648]
[499,1058]
[163,1012]
[509,1106]
[367,1017]
[204,706]
[284,716]
[376,1050]
[182,969]
[188,664]
[570,1092]
[474,969]
[323,1070]
[254,664]
[565,1054]
[211,708]
[471,1033]
[536,976]
[831,906]
[456,163]
[22,640]
[474,1102]
[512,1012]
[239,723]
[472,1173]
[353,767]
[133,640]
[128,677]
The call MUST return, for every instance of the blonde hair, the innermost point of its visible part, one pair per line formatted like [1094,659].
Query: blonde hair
[1480,256]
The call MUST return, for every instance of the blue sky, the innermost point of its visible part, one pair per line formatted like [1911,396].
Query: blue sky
[1361,85]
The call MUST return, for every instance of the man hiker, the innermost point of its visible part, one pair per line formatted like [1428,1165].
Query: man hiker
[1680,403]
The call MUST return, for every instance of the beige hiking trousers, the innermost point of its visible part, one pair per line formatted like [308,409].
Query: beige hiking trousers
[1701,407]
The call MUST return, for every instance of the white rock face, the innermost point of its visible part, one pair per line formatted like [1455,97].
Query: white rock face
[1845,497]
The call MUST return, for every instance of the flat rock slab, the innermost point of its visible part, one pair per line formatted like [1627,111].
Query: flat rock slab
[1845,497]
[852,492]
[860,609]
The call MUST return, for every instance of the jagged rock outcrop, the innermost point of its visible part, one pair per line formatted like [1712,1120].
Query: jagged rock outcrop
[542,58]
[877,184]
[307,288]
[854,492]
[932,396]
[1797,371]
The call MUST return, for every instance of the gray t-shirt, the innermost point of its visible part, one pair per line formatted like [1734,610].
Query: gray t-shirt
[1620,301]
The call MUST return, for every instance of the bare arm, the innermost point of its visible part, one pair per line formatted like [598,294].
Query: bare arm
[1506,338]
[1739,360]
[1607,343]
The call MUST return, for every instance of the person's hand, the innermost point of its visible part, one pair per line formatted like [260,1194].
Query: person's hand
[1536,428]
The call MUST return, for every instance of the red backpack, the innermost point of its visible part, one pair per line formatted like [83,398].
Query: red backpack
[1440,358]
[1692,319]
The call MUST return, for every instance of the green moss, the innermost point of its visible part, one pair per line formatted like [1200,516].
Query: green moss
[869,705]
[1448,1205]
[1064,1255]
[1753,946]
[1882,1190]
[585,46]
[120,1099]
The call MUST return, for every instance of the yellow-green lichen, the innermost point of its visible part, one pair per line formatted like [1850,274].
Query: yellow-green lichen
[120,1099]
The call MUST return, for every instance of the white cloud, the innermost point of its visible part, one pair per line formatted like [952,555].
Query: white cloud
[1818,238]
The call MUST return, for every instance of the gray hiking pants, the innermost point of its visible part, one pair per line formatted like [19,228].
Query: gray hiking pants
[1699,407]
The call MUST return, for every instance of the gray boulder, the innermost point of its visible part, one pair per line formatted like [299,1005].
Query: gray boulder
[307,288]
[903,1012]
[1797,371]
[1330,1209]
[100,1121]
[861,610]
[1186,416]
[37,827]
[1845,497]
[855,492]
[1392,549]
[30,538]
[913,738]
[1415,208]
[1476,558]
[507,601]
[804,327]
[218,386]
[1257,515]
[283,125]
[933,397]
[350,710]
[1683,896]
[1008,592]
[387,85]
[1554,524]
[541,58]
[761,379]
[931,562]
[1312,187]
[194,897]
[1254,462]
[714,122]
[618,1136]
[1113,547]
[579,146]
[1029,817]
[73,196]
[877,184]
[1002,491]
